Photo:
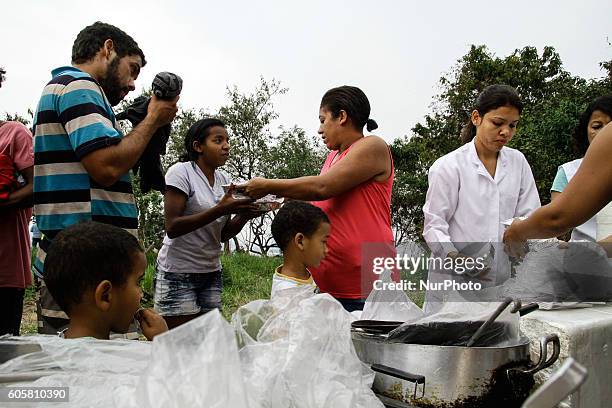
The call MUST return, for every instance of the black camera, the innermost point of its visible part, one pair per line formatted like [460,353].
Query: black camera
[167,85]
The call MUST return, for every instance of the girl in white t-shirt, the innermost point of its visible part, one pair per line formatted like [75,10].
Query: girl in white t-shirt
[197,219]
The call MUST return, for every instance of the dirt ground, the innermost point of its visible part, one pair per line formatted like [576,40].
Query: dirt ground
[28,318]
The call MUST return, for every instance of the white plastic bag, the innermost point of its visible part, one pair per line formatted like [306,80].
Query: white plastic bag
[99,373]
[390,305]
[194,365]
[303,356]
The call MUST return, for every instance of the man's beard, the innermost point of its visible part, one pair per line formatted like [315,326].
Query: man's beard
[111,84]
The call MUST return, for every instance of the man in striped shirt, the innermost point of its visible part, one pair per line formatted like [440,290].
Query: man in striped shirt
[81,158]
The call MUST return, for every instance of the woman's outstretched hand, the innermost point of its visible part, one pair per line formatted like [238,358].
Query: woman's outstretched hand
[254,188]
[514,245]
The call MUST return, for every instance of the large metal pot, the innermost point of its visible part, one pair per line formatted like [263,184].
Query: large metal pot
[453,376]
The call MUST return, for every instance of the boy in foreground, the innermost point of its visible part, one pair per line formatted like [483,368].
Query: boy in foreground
[93,271]
[301,231]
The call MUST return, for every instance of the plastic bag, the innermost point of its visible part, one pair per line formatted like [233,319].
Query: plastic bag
[562,275]
[303,355]
[297,352]
[194,365]
[390,305]
[89,367]
[455,324]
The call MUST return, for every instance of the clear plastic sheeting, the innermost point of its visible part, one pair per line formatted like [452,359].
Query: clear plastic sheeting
[194,365]
[299,353]
[390,305]
[456,322]
[562,275]
[99,373]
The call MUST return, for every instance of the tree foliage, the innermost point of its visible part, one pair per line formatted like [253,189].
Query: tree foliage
[256,151]
[15,117]
[248,117]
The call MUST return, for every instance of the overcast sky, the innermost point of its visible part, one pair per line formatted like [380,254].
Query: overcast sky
[394,50]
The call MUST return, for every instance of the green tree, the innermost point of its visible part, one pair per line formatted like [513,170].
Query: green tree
[248,118]
[19,118]
[293,154]
[256,151]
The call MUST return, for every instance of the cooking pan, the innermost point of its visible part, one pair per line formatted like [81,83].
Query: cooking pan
[439,333]
[433,376]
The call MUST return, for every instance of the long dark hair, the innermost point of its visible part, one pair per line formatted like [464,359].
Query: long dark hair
[581,135]
[354,102]
[492,97]
[199,131]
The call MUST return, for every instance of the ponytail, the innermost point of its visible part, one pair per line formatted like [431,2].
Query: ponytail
[371,125]
[468,132]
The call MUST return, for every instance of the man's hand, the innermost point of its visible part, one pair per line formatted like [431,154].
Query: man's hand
[162,111]
[151,323]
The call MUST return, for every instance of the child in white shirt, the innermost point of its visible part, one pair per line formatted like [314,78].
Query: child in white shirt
[301,231]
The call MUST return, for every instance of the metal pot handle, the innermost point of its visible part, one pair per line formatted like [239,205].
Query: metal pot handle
[543,362]
[402,375]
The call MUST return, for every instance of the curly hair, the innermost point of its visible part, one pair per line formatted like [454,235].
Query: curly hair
[580,136]
[91,39]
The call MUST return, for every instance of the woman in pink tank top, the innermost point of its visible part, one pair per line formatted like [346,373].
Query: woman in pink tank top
[353,188]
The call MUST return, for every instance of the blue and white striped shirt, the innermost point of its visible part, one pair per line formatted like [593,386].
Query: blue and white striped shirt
[73,119]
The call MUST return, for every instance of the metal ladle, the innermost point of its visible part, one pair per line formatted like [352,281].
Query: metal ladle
[503,305]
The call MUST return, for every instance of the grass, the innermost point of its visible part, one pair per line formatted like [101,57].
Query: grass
[417,296]
[245,278]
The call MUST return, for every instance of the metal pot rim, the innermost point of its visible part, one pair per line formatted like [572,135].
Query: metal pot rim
[523,341]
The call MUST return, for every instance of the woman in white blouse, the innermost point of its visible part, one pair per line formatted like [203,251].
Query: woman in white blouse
[473,189]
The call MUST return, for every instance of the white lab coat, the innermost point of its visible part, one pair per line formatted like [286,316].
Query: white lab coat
[464,204]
